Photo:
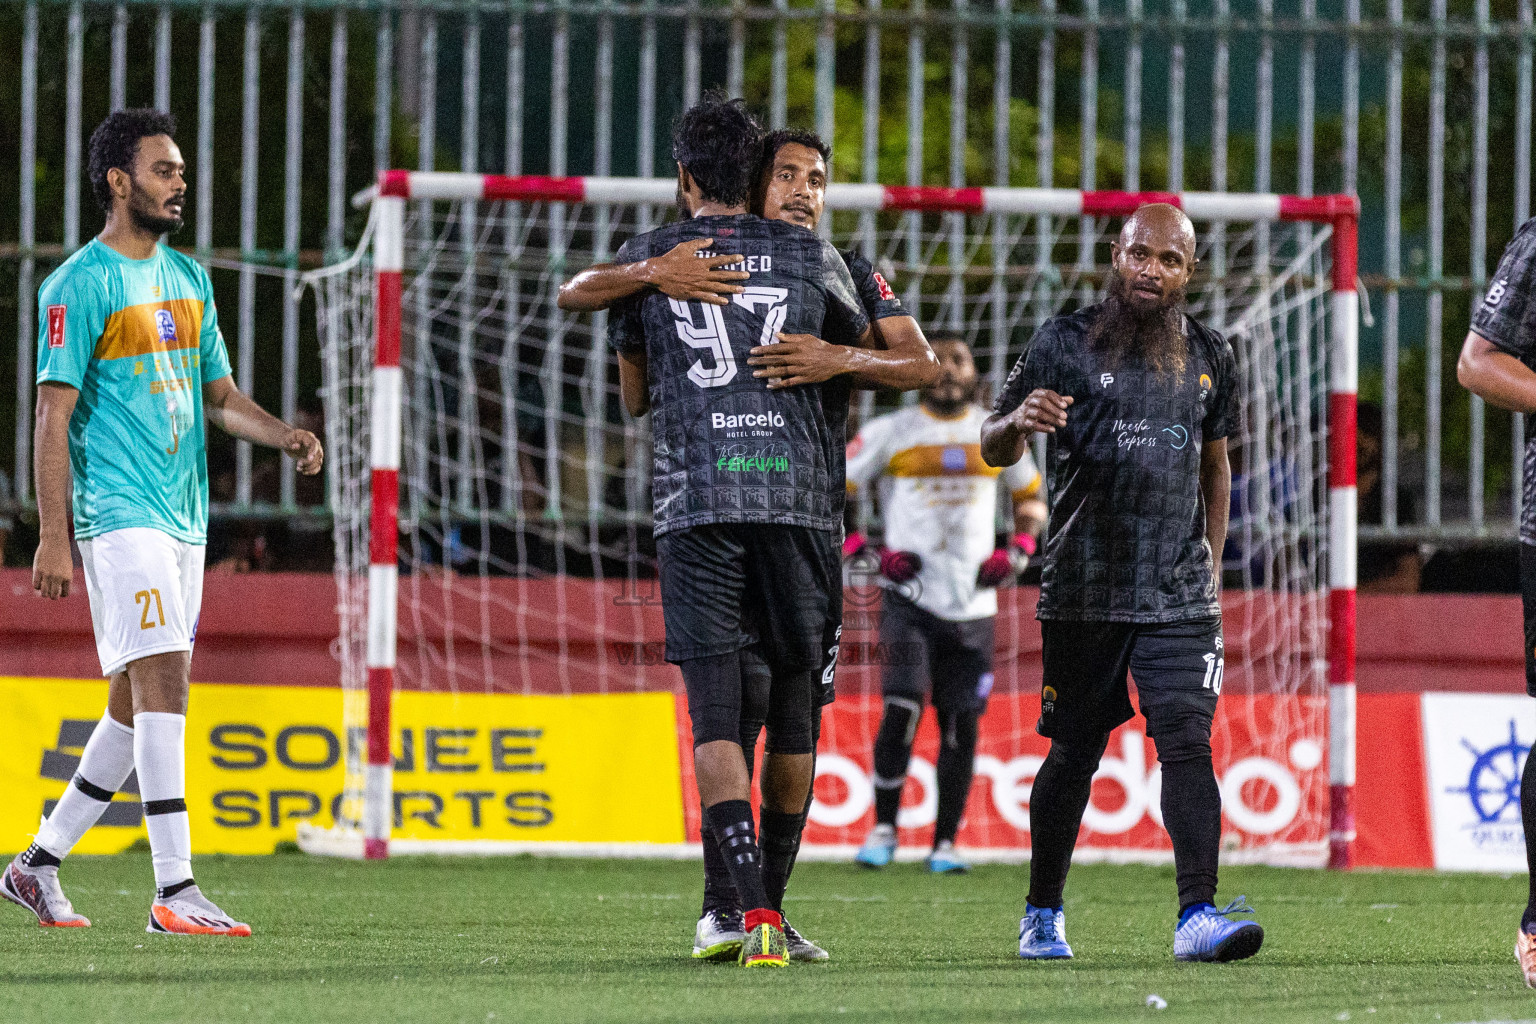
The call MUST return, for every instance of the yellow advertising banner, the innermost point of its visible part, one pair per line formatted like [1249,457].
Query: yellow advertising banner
[261,759]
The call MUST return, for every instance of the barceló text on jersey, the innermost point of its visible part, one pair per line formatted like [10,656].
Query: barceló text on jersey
[747,424]
[751,264]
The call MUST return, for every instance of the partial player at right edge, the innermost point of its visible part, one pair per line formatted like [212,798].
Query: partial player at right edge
[1137,398]
[1498,362]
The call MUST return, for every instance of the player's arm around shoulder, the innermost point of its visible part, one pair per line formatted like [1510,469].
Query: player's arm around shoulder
[236,414]
[679,274]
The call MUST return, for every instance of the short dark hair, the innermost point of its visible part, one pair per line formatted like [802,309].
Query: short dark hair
[115,143]
[718,142]
[781,137]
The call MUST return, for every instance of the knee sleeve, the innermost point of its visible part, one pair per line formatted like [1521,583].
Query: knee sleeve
[791,708]
[1181,733]
[714,697]
[893,743]
[1078,758]
[957,730]
[756,684]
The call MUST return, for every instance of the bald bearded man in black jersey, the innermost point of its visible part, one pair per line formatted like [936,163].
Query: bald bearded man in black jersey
[1137,399]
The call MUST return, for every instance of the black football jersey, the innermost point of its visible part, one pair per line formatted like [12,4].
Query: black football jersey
[1507,318]
[1126,537]
[728,450]
[879,301]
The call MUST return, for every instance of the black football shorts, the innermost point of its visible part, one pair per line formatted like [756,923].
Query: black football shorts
[1084,692]
[929,658]
[1528,601]
[726,586]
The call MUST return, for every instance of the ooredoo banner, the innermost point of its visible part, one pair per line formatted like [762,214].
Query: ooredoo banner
[1269,756]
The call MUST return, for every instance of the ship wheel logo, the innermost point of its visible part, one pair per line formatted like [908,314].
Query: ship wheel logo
[1493,784]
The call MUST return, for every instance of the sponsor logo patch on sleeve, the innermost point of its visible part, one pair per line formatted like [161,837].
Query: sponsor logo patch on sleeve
[885,289]
[56,326]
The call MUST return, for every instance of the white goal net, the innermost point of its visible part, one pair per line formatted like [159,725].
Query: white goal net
[525,560]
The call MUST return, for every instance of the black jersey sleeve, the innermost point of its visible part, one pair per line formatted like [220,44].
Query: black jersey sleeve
[875,294]
[1507,314]
[845,317]
[1036,368]
[626,328]
[1221,415]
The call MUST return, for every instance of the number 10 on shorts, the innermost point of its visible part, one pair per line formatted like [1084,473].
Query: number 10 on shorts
[145,596]
[1214,666]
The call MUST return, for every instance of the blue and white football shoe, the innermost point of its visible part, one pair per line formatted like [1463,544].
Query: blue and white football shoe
[944,860]
[1207,935]
[1043,934]
[879,847]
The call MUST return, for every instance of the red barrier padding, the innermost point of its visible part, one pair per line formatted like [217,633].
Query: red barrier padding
[1391,806]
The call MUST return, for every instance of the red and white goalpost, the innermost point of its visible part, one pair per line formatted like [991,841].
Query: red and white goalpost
[520,496]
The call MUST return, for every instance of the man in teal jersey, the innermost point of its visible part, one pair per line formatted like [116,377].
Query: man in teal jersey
[130,363]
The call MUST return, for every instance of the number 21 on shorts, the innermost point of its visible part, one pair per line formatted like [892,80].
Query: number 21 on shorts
[144,597]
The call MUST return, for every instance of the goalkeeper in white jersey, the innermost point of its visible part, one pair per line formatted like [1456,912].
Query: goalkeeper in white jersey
[940,568]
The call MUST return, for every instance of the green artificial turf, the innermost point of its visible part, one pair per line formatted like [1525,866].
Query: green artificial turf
[524,939]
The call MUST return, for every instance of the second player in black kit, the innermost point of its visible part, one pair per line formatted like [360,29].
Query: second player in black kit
[1137,399]
[746,518]
[1498,362]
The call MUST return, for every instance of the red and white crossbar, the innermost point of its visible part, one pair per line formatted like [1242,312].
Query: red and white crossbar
[1341,211]
[1234,206]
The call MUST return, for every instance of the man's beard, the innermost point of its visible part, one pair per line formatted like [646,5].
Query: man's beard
[139,208]
[1156,334]
[944,406]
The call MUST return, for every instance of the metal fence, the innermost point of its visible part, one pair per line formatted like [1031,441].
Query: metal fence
[1422,108]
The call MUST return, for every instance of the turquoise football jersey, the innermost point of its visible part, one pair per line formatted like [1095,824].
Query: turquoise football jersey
[138,338]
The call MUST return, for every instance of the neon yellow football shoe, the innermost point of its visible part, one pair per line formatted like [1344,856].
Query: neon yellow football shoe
[764,944]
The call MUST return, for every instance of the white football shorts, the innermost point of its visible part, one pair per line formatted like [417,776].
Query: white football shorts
[146,592]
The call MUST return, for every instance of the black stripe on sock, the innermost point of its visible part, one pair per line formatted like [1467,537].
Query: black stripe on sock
[167,891]
[37,857]
[176,805]
[92,790]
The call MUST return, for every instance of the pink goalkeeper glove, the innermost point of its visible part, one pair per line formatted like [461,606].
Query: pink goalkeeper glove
[994,572]
[900,566]
[854,544]
[1006,563]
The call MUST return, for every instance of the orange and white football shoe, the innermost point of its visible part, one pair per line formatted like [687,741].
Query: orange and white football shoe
[189,912]
[39,891]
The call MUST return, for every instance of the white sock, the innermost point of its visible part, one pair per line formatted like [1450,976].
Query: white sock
[104,766]
[159,751]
